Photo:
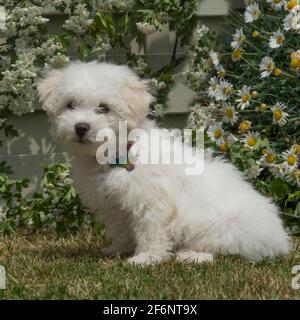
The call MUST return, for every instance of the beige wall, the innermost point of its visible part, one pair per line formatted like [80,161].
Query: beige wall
[34,146]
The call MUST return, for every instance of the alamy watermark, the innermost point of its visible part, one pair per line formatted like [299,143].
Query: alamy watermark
[2,278]
[153,146]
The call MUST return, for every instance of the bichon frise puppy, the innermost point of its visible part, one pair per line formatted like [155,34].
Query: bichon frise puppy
[153,212]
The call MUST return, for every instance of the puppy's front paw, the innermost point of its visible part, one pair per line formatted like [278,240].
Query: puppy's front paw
[145,259]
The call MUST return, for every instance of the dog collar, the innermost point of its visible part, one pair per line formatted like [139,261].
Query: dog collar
[122,161]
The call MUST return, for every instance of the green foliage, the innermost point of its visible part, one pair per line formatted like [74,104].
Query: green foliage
[56,208]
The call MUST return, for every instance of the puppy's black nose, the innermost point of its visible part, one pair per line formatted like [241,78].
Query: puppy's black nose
[81,128]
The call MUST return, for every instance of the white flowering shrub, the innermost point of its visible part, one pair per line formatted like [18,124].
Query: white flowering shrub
[250,106]
[90,29]
[57,208]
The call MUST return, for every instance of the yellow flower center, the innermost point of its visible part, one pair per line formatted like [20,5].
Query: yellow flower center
[255,13]
[236,54]
[218,133]
[277,1]
[229,113]
[295,63]
[269,158]
[277,72]
[291,4]
[251,141]
[226,90]
[279,39]
[244,126]
[277,115]
[270,67]
[255,34]
[294,55]
[296,148]
[291,160]
[221,73]
[222,147]
[245,98]
[293,175]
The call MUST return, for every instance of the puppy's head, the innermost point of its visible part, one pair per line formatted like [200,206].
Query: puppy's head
[83,98]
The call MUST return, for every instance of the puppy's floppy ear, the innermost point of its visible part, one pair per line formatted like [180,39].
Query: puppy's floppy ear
[138,99]
[46,89]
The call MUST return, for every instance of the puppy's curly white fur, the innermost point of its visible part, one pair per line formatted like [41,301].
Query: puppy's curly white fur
[155,211]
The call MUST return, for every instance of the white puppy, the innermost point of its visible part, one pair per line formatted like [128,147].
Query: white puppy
[153,212]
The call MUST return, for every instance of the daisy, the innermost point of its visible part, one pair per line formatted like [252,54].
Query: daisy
[224,90]
[292,5]
[252,13]
[296,148]
[215,132]
[214,58]
[268,157]
[276,4]
[293,176]
[229,113]
[295,60]
[277,170]
[238,39]
[244,126]
[279,115]
[276,40]
[267,66]
[292,22]
[254,171]
[245,96]
[220,71]
[213,86]
[236,55]
[250,139]
[290,159]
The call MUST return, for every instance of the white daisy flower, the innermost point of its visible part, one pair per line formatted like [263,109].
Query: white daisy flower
[229,113]
[250,139]
[290,159]
[224,90]
[292,5]
[214,58]
[279,115]
[293,176]
[268,158]
[267,66]
[276,4]
[292,22]
[238,39]
[213,86]
[253,171]
[245,96]
[252,13]
[276,40]
[215,132]
[277,170]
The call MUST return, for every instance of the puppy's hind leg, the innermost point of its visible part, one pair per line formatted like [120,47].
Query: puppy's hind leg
[185,255]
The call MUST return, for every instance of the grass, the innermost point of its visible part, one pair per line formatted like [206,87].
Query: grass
[71,267]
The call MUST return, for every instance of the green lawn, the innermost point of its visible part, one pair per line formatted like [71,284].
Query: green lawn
[71,267]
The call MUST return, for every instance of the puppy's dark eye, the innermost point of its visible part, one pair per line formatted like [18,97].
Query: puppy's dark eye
[102,108]
[70,105]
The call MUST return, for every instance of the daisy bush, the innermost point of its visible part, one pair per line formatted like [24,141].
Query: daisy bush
[249,105]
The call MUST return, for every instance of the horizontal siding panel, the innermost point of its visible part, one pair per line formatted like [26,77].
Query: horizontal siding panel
[212,8]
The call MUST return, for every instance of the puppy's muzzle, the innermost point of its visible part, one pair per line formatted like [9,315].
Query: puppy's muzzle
[81,129]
